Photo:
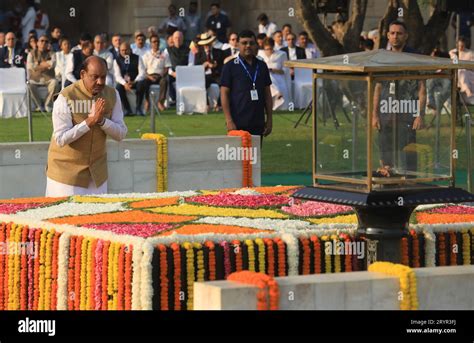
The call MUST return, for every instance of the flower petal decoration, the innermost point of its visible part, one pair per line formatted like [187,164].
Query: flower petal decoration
[134,216]
[239,200]
[258,223]
[196,229]
[187,209]
[140,230]
[155,202]
[41,200]
[71,209]
[316,208]
[440,218]
[13,208]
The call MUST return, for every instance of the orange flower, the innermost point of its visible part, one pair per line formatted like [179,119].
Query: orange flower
[195,229]
[163,277]
[268,294]
[246,163]
[212,260]
[237,247]
[281,257]
[271,256]
[134,216]
[439,218]
[453,242]
[404,251]
[41,200]
[177,274]
[128,278]
[154,202]
[71,273]
[306,256]
[317,254]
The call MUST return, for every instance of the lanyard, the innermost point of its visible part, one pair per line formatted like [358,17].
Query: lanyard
[248,73]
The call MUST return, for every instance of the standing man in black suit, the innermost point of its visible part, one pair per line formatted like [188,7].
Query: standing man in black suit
[115,49]
[10,55]
[293,52]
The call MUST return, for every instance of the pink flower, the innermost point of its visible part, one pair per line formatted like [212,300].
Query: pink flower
[237,200]
[14,208]
[140,230]
[316,208]
[453,210]
[98,274]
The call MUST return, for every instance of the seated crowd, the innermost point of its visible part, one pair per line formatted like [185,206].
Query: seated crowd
[150,60]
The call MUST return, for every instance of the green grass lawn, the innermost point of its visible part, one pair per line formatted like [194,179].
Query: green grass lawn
[286,153]
[286,150]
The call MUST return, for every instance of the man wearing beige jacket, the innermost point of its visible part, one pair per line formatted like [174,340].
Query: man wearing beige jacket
[84,114]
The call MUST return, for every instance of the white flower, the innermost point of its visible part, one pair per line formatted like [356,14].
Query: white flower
[147,195]
[246,191]
[70,209]
[258,223]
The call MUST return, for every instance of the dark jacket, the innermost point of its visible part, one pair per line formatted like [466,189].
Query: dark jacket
[217,55]
[300,52]
[18,58]
[131,68]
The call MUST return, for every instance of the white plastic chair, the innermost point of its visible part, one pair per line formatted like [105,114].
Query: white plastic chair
[303,87]
[190,90]
[13,93]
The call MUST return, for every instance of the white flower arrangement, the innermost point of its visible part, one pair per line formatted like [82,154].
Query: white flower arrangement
[246,191]
[63,265]
[70,209]
[147,195]
[258,223]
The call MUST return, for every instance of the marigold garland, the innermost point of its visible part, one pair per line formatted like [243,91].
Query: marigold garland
[163,277]
[466,244]
[120,278]
[161,160]
[453,252]
[189,274]
[2,267]
[268,292]
[128,277]
[408,283]
[281,257]
[105,275]
[261,255]
[270,257]
[177,275]
[305,270]
[238,255]
[251,254]
[317,254]
[442,249]
[212,260]
[24,271]
[227,264]
[404,251]
[246,162]
[71,273]
[416,249]
[41,286]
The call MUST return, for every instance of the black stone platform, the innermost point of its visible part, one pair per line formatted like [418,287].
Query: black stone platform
[384,216]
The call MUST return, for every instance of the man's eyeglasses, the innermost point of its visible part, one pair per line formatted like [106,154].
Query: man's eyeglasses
[248,43]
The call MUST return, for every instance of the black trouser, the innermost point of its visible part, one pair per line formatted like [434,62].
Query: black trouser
[162,81]
[140,91]
[394,137]
[172,85]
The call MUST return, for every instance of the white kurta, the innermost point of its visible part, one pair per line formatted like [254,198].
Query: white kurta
[279,87]
[65,132]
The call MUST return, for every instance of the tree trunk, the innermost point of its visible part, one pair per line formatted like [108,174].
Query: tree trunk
[422,37]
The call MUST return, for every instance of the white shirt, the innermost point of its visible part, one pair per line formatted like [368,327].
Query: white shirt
[154,62]
[65,132]
[269,29]
[292,53]
[28,23]
[278,46]
[44,23]
[140,51]
[60,68]
[141,72]
[312,51]
[70,68]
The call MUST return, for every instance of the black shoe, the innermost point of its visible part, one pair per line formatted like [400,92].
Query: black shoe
[140,112]
[128,113]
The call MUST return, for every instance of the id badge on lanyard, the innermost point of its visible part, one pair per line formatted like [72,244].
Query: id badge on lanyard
[253,91]
[254,94]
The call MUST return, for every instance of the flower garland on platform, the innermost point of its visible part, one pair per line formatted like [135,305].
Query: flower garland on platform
[161,160]
[268,295]
[408,283]
[246,162]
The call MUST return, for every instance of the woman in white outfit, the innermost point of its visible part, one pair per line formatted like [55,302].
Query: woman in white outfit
[279,87]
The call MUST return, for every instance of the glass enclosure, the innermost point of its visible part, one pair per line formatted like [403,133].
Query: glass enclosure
[407,138]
